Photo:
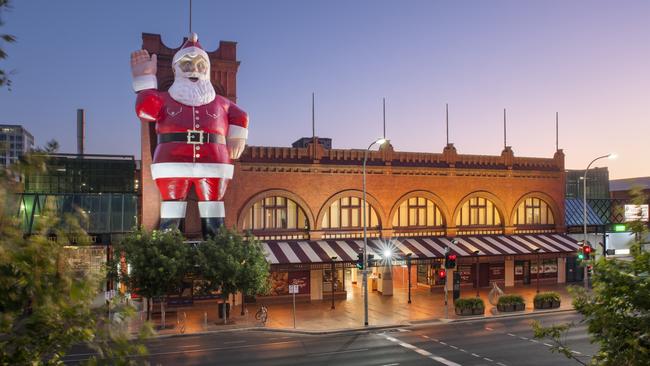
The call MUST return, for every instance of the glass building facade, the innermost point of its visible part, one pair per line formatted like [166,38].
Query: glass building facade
[100,191]
[597,183]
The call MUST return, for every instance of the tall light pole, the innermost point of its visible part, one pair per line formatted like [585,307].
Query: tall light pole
[333,281]
[584,208]
[477,271]
[380,141]
[536,250]
[408,268]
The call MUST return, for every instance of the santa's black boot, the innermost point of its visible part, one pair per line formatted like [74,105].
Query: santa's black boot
[210,226]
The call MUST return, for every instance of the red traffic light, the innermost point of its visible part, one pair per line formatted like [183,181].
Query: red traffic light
[442,273]
[587,249]
[452,257]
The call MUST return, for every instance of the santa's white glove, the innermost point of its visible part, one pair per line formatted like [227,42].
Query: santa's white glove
[143,69]
[236,147]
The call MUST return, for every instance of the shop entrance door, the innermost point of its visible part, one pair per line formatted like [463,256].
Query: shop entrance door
[484,275]
[526,273]
[574,273]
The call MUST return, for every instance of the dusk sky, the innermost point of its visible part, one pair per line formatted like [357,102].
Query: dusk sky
[587,60]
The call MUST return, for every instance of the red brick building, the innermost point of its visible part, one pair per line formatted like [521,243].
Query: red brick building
[305,204]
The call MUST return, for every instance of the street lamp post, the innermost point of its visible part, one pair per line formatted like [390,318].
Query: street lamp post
[536,250]
[584,208]
[365,234]
[408,269]
[477,270]
[333,281]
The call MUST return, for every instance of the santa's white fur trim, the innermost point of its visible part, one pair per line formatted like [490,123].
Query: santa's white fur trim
[212,209]
[191,170]
[173,209]
[144,82]
[237,132]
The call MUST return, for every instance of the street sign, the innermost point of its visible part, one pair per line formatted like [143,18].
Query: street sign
[294,289]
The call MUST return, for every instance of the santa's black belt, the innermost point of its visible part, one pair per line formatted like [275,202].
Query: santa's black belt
[192,137]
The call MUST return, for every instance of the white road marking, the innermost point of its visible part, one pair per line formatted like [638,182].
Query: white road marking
[501,364]
[488,328]
[422,352]
[534,341]
[391,364]
[576,352]
[190,345]
[524,338]
[475,355]
[462,350]
[337,352]
[487,359]
[443,343]
[427,337]
[454,347]
[512,335]
[548,345]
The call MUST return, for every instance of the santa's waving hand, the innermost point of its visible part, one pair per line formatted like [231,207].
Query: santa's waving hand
[199,133]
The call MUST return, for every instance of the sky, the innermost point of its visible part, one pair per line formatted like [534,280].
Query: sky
[587,60]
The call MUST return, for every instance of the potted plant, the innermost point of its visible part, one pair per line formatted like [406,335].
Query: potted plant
[509,303]
[547,300]
[469,306]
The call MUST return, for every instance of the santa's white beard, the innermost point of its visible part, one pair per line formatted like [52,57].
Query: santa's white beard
[192,93]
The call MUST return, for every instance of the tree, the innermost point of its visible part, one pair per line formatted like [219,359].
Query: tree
[253,278]
[7,38]
[617,311]
[158,262]
[46,303]
[229,263]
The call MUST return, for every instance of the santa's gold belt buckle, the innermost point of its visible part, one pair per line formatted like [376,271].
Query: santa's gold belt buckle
[192,135]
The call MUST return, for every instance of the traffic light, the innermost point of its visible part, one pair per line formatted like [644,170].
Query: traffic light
[581,255]
[371,260]
[450,261]
[590,270]
[587,249]
[359,260]
[442,273]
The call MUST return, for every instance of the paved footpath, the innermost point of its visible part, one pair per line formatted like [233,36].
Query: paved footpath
[317,316]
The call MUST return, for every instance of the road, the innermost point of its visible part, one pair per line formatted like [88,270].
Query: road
[492,342]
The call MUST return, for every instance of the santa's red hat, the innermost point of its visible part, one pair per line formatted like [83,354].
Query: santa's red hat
[191,47]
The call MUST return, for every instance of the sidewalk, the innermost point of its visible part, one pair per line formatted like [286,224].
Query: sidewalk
[318,316]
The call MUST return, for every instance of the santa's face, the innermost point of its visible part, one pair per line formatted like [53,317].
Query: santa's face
[192,81]
[192,67]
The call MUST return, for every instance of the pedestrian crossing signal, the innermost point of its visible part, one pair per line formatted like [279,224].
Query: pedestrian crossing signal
[442,274]
[359,260]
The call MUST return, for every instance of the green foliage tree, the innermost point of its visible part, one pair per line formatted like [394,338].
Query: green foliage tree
[158,262]
[6,38]
[46,304]
[253,277]
[229,264]
[617,311]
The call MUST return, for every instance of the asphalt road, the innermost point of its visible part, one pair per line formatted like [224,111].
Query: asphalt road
[493,341]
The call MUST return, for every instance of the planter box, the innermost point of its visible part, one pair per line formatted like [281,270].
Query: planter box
[546,304]
[463,312]
[511,307]
[478,311]
[520,307]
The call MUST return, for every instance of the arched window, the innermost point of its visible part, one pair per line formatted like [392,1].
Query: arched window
[478,211]
[534,211]
[417,212]
[275,213]
[345,213]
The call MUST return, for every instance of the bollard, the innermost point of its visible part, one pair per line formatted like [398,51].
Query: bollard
[205,320]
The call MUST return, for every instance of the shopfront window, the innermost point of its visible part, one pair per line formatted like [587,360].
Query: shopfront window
[346,213]
[478,211]
[333,278]
[534,211]
[417,212]
[276,213]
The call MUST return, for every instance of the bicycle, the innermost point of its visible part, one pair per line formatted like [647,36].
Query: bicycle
[262,314]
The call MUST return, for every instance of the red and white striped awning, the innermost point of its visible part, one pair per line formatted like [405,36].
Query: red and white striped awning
[346,250]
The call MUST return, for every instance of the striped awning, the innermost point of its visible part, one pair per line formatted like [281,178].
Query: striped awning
[346,250]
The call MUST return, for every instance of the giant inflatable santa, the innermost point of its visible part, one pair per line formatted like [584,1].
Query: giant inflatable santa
[198,131]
